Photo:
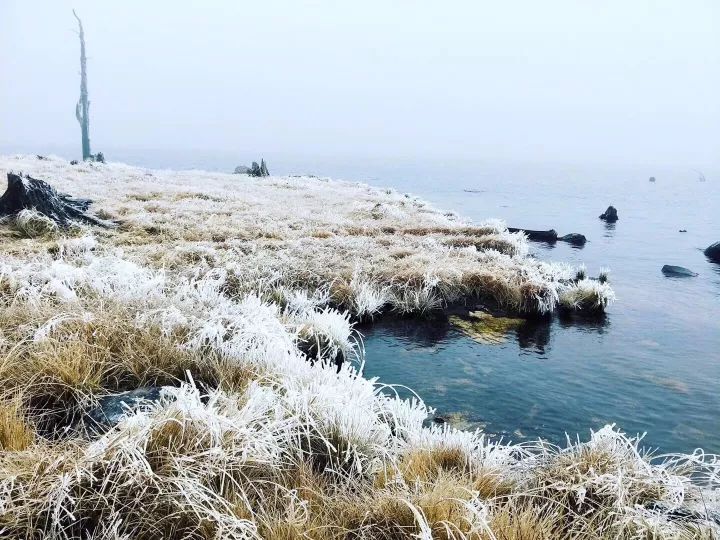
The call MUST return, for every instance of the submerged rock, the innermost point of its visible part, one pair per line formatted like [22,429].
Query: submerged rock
[610,215]
[486,328]
[110,409]
[712,252]
[677,271]
[459,420]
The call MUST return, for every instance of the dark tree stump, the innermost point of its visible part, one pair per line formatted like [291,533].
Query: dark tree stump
[24,192]
[550,236]
[259,170]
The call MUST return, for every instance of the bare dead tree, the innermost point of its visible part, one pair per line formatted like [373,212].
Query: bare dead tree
[82,109]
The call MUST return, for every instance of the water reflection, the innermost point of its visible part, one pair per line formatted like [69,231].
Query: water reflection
[534,335]
[596,322]
[609,229]
[419,332]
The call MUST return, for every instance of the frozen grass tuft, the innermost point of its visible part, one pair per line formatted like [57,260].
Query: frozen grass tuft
[33,224]
[587,295]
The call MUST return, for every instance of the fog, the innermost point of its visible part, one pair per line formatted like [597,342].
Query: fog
[611,82]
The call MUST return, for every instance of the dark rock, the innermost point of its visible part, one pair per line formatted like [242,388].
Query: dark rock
[712,252]
[539,236]
[241,169]
[551,236]
[110,409]
[41,158]
[74,162]
[652,178]
[682,230]
[100,157]
[677,271]
[610,215]
[574,238]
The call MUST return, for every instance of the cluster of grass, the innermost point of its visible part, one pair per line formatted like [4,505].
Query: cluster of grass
[258,432]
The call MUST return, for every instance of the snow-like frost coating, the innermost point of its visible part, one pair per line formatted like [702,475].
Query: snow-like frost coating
[260,274]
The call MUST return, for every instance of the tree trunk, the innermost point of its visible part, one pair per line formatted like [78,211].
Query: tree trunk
[82,109]
[540,236]
[24,192]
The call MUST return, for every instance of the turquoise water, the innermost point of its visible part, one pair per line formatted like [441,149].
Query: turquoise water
[651,365]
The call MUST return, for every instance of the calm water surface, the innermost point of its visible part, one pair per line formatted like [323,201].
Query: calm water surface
[651,365]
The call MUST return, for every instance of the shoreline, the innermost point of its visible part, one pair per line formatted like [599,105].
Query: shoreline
[220,288]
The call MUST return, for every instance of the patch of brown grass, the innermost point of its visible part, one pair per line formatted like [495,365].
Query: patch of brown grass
[15,432]
[60,375]
[512,523]
[321,234]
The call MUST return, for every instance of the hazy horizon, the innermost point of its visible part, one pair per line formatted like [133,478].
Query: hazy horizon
[617,82]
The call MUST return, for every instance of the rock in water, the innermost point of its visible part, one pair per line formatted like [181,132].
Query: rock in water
[652,178]
[575,239]
[677,271]
[712,252]
[241,169]
[610,215]
[110,409]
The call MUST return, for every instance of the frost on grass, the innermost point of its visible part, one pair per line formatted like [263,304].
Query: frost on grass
[372,250]
[32,224]
[238,300]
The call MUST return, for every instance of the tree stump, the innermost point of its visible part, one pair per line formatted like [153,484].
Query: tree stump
[24,192]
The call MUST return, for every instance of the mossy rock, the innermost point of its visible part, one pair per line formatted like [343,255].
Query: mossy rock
[485,328]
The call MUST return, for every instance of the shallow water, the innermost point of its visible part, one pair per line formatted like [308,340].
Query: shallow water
[651,365]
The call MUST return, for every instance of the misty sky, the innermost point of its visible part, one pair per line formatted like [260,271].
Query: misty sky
[628,81]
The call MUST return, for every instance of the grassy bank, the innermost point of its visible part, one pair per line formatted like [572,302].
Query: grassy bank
[219,288]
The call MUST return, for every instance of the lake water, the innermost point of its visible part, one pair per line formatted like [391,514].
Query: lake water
[651,365]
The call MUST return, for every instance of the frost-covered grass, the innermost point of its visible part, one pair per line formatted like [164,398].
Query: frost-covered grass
[258,433]
[371,250]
